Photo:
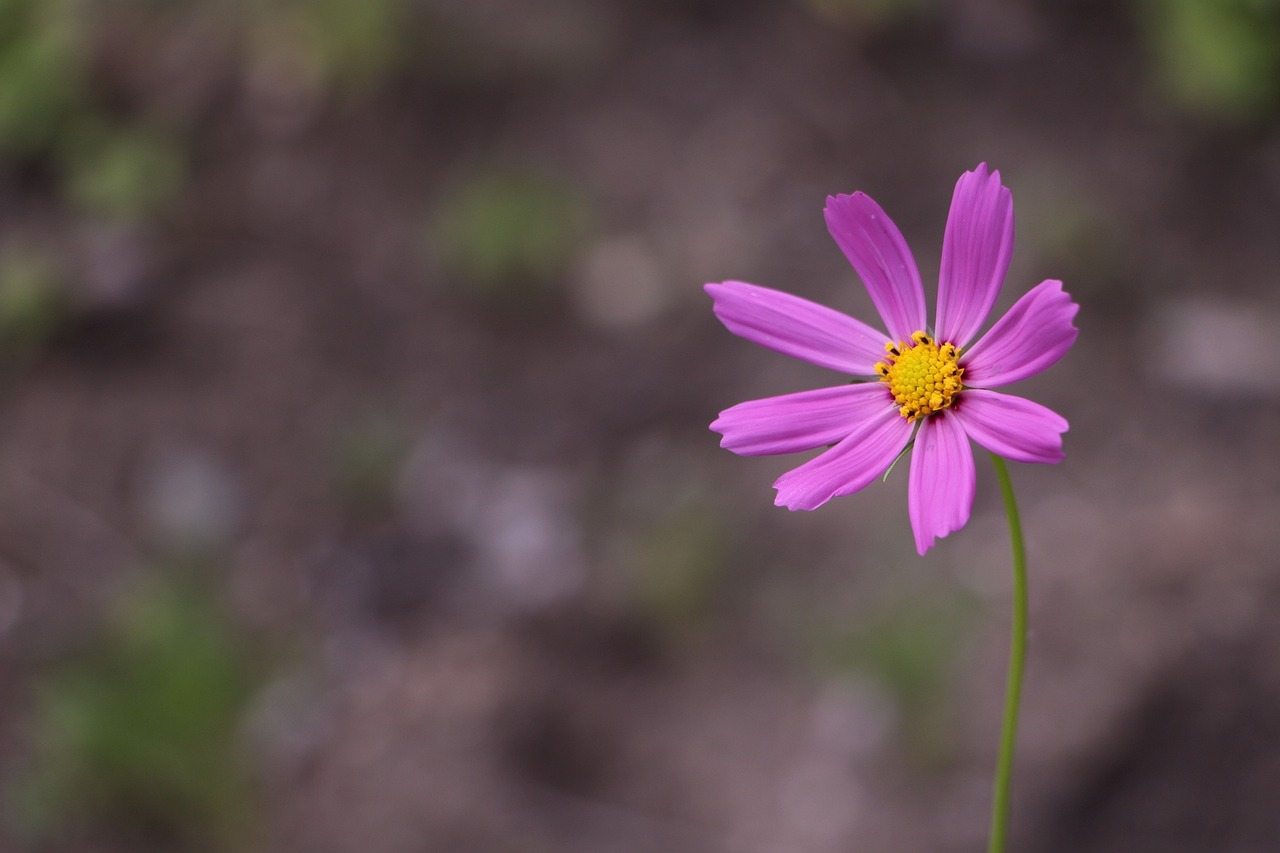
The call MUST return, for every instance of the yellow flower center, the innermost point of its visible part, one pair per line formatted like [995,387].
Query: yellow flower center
[923,376]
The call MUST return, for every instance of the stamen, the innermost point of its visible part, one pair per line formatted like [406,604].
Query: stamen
[923,377]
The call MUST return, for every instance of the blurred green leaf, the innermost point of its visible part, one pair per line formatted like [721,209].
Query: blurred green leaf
[1216,57]
[359,41]
[33,301]
[366,461]
[121,173]
[679,570]
[348,45]
[510,233]
[141,734]
[41,76]
[908,647]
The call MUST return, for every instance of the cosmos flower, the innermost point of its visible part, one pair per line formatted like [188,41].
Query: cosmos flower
[919,386]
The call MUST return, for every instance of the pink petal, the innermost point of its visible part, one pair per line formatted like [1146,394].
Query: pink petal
[940,492]
[798,327]
[874,245]
[1033,335]
[849,466]
[1012,427]
[976,249]
[803,421]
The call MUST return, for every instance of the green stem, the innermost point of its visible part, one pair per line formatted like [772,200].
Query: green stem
[1017,661]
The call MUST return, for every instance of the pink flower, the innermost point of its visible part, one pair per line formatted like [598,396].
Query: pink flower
[913,386]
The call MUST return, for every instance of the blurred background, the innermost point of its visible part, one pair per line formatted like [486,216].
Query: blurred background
[356,492]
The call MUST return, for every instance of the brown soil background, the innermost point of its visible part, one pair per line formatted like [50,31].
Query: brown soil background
[562,619]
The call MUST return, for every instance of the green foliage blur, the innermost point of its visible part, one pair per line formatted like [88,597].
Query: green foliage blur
[140,735]
[679,571]
[121,172]
[366,457]
[130,168]
[350,46]
[107,168]
[907,647]
[42,82]
[1217,58]
[510,233]
[33,302]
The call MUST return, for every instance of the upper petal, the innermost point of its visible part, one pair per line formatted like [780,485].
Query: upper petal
[976,250]
[879,254]
[794,422]
[1012,427]
[798,327]
[858,459]
[1034,334]
[940,492]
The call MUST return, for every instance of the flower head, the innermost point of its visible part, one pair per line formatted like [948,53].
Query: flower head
[925,387]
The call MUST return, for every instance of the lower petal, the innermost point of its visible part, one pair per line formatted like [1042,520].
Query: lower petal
[848,467]
[941,488]
[795,422]
[1012,427]
[1032,336]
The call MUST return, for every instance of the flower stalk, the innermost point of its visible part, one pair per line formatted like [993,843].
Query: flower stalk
[1017,664]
